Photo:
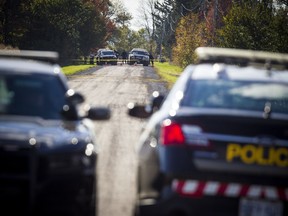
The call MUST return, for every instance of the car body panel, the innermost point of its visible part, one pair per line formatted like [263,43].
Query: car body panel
[47,161]
[228,146]
[105,56]
[139,56]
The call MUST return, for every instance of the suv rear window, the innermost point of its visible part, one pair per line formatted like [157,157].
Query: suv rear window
[35,95]
[107,52]
[140,52]
[243,95]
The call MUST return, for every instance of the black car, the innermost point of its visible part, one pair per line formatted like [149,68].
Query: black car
[106,56]
[218,143]
[48,152]
[139,56]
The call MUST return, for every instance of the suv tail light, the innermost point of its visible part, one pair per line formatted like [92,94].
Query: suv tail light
[173,133]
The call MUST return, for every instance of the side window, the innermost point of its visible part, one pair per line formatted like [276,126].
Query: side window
[5,95]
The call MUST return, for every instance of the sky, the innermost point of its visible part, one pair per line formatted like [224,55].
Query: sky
[133,7]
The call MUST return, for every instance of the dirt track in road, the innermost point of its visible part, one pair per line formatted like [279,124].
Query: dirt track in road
[116,86]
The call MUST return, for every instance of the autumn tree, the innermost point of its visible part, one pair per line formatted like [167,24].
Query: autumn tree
[190,34]
[258,26]
[70,27]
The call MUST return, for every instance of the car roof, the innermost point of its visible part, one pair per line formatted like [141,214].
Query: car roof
[29,62]
[139,49]
[27,66]
[215,63]
[234,72]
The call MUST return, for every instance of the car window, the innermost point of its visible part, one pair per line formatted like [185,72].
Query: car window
[36,95]
[140,52]
[108,53]
[243,95]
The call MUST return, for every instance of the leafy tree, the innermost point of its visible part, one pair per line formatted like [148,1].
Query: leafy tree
[119,14]
[191,33]
[127,39]
[71,27]
[257,27]
[146,15]
[13,21]
[167,15]
[280,25]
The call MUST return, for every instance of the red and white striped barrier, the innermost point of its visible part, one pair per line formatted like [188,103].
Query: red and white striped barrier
[194,188]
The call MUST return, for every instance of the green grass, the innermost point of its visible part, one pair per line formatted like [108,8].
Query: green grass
[72,69]
[168,72]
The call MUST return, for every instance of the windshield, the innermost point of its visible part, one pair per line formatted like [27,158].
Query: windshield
[108,53]
[243,95]
[36,95]
[140,52]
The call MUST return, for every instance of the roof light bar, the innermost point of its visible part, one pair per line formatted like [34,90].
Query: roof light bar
[46,56]
[240,56]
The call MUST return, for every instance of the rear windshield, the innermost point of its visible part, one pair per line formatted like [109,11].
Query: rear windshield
[140,52]
[32,95]
[108,53]
[243,95]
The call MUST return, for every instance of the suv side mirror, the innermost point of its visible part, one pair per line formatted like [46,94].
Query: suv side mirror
[156,101]
[99,113]
[74,97]
[69,110]
[138,111]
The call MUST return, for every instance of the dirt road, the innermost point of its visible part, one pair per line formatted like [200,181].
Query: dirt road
[116,86]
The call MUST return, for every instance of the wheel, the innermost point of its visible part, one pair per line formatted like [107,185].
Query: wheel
[89,199]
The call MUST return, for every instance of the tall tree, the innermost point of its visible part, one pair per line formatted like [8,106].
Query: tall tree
[191,33]
[13,21]
[255,26]
[148,22]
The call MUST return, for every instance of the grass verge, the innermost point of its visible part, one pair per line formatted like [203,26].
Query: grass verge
[72,69]
[168,72]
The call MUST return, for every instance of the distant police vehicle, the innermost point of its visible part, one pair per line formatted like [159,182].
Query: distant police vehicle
[139,56]
[218,145]
[106,56]
[48,151]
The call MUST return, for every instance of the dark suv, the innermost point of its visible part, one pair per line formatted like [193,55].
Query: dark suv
[139,56]
[218,143]
[106,56]
[48,152]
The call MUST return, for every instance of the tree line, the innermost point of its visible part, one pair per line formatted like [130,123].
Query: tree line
[70,27]
[73,28]
[170,28]
[183,25]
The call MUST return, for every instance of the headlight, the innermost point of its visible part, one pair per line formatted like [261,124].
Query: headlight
[72,160]
[145,57]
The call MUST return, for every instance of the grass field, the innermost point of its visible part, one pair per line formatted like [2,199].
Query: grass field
[69,70]
[168,72]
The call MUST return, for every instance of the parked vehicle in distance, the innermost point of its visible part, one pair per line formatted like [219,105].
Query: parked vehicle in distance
[106,56]
[218,143]
[48,149]
[139,56]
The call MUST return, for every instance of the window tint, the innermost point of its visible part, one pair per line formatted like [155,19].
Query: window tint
[242,95]
[108,53]
[140,52]
[36,95]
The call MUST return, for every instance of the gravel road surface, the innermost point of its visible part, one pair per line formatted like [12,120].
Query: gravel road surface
[116,86]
